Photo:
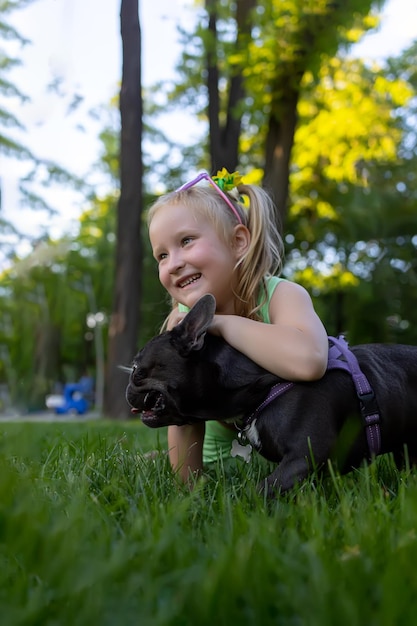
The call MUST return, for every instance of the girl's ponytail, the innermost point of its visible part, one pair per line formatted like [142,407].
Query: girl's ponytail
[265,254]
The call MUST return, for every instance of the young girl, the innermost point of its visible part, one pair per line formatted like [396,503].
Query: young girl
[220,236]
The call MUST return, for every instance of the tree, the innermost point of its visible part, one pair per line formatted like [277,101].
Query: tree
[353,198]
[46,300]
[224,138]
[349,149]
[298,38]
[128,279]
[55,303]
[252,57]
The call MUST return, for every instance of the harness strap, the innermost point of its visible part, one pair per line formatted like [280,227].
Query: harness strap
[274,392]
[340,357]
[367,400]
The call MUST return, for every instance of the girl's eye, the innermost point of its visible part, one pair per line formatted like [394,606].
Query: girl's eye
[186,240]
[161,256]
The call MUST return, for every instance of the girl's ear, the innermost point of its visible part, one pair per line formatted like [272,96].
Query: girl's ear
[241,240]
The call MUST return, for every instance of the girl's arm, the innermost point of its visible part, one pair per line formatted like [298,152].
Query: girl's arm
[293,346]
[185,443]
[185,449]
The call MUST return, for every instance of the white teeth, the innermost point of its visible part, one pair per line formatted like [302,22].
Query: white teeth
[190,280]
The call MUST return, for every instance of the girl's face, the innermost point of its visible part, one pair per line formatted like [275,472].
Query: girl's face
[192,259]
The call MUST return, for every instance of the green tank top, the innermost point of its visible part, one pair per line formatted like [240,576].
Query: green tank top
[271,283]
[218,439]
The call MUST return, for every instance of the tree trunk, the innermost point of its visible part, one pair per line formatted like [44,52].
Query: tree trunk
[123,329]
[224,139]
[279,142]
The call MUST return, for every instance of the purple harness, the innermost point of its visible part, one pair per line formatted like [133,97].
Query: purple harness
[341,357]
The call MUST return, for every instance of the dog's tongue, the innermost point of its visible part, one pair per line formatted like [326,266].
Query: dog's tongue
[133,410]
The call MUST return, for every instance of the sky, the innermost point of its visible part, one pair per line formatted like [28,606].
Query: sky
[72,68]
[75,50]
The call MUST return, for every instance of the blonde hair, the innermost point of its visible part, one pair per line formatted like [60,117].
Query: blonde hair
[266,250]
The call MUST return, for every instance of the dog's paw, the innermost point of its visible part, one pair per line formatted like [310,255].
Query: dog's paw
[269,489]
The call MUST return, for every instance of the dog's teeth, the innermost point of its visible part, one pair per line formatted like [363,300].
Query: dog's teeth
[160,404]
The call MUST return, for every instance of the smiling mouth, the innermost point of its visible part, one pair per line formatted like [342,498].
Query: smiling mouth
[189,281]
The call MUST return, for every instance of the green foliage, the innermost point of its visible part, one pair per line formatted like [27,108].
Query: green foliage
[282,42]
[346,122]
[92,531]
[45,300]
[353,199]
[293,37]
[109,161]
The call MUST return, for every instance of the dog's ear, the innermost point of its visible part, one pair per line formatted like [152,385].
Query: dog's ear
[189,334]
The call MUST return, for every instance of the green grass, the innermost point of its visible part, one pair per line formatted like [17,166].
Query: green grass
[94,533]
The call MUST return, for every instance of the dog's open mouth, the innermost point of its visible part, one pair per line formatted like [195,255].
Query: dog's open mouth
[153,403]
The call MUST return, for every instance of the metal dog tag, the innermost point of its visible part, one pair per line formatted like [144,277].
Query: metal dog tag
[243,451]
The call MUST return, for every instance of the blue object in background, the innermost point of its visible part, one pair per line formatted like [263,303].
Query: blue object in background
[76,398]
[73,399]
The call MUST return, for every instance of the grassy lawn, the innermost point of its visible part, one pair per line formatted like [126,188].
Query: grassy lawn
[93,533]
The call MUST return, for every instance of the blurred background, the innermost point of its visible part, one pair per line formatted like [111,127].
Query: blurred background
[105,105]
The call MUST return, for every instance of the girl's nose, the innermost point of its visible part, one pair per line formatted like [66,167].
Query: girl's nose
[176,262]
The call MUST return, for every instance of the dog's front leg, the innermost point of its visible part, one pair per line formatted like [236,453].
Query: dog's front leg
[290,472]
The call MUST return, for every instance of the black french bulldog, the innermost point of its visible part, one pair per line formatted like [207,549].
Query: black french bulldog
[187,375]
